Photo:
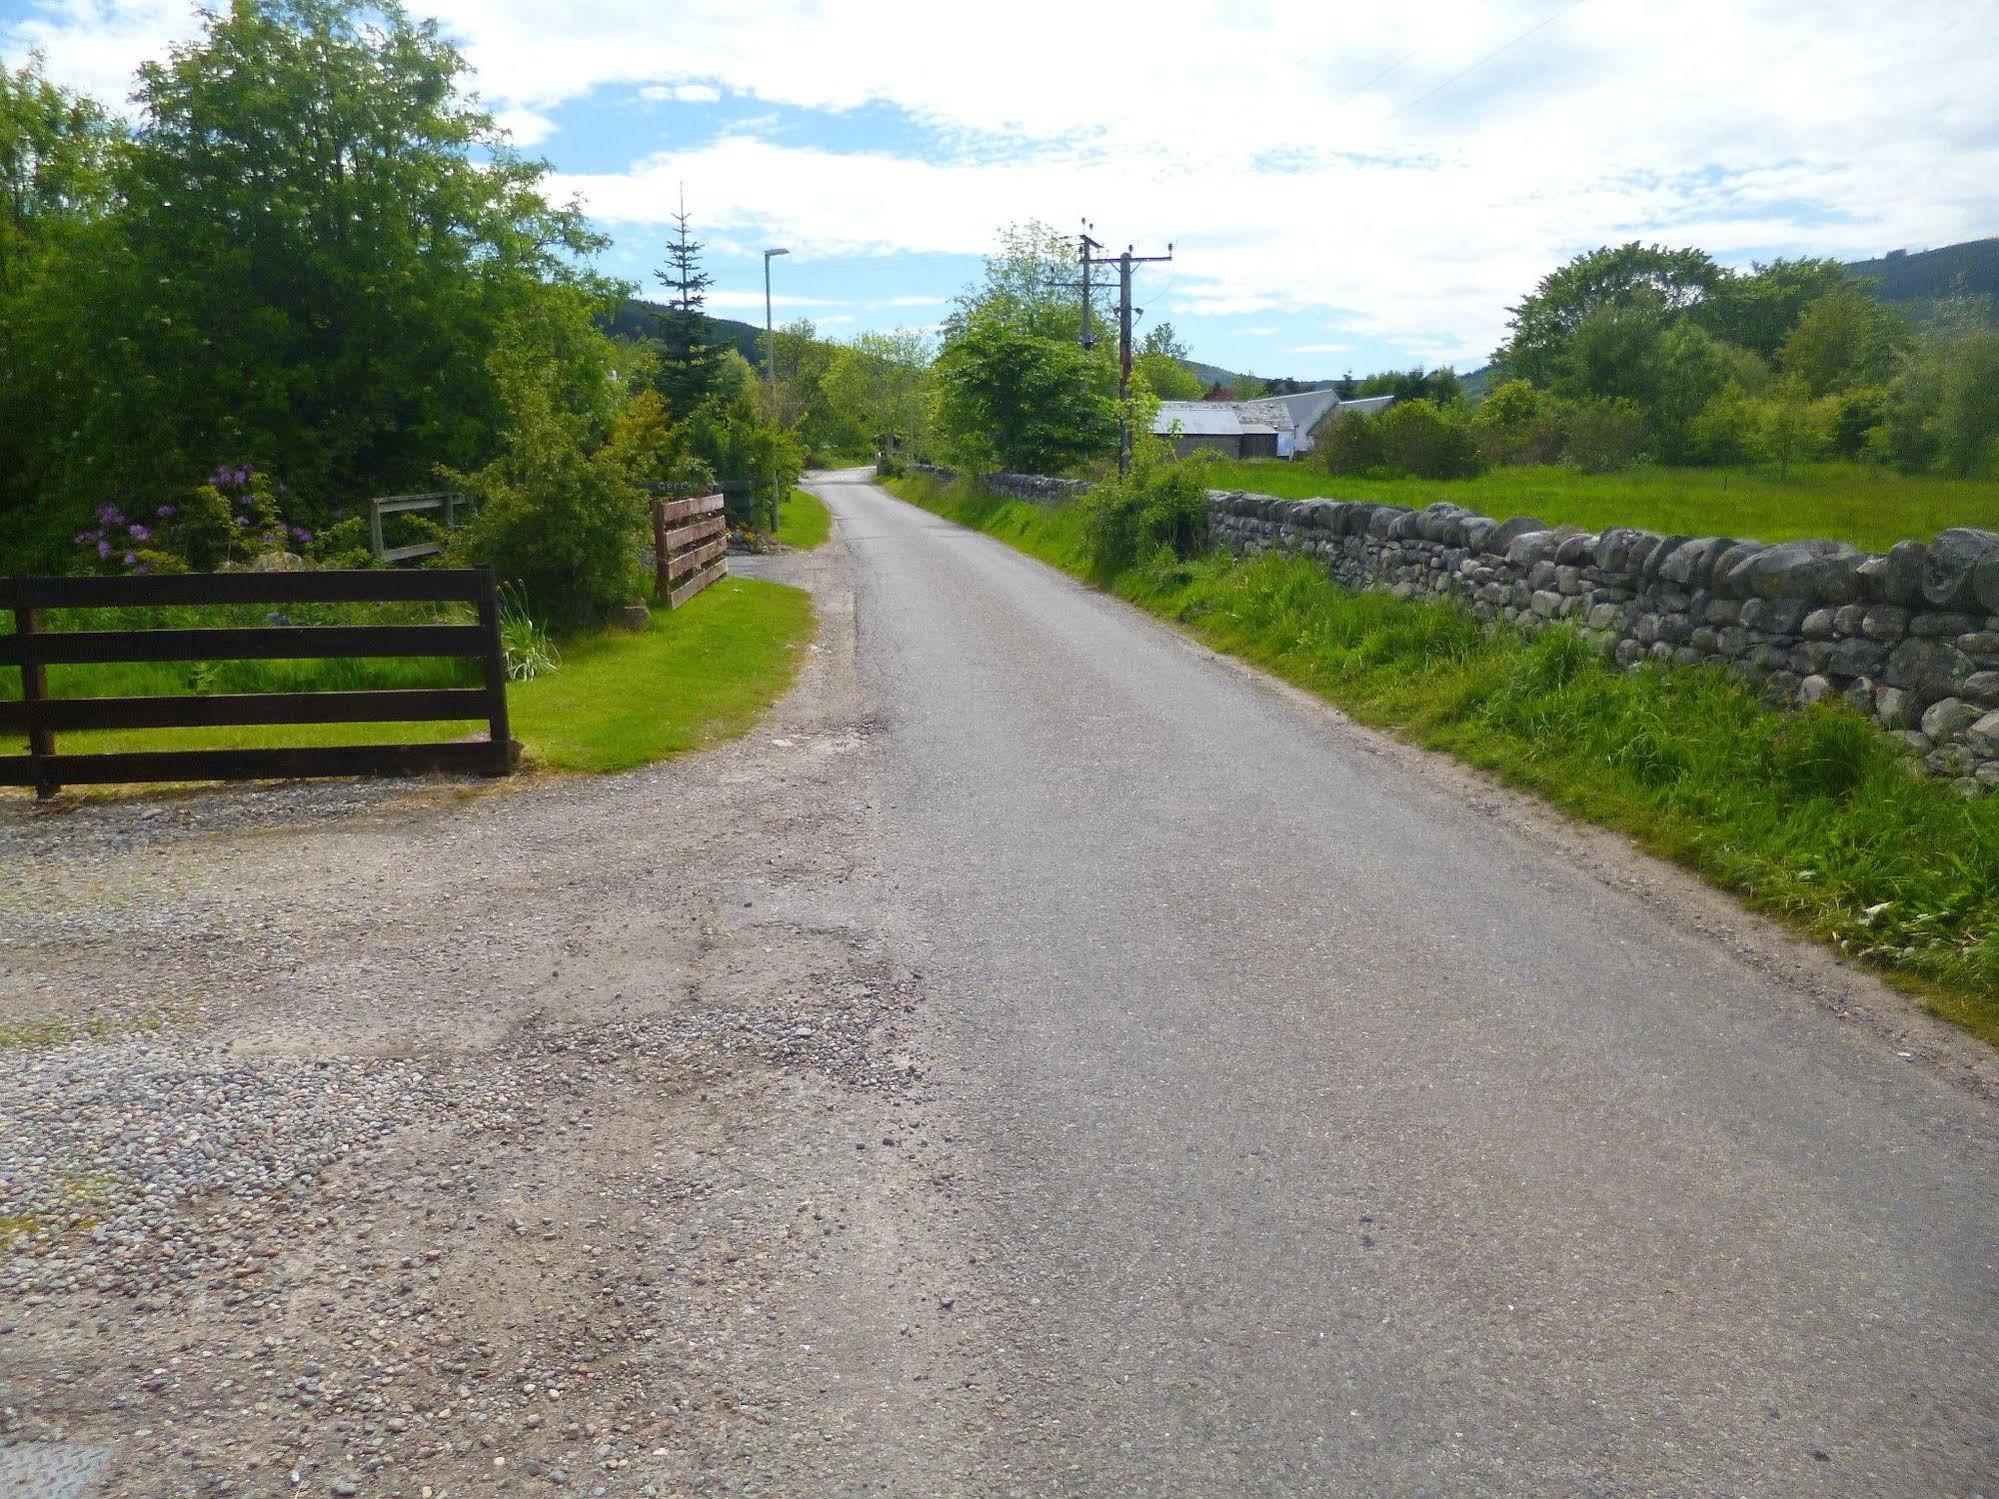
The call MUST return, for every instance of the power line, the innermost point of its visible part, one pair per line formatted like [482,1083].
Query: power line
[1541,25]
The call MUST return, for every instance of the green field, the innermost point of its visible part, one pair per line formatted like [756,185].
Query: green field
[804,521]
[1871,507]
[697,676]
[1808,816]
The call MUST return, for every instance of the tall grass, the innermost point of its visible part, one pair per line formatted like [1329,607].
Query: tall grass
[1809,816]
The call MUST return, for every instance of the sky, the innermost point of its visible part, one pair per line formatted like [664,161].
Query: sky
[1345,188]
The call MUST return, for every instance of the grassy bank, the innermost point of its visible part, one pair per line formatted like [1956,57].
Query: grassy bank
[695,677]
[806,522]
[1871,507]
[1808,816]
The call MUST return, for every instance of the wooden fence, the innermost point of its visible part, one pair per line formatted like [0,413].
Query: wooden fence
[445,503]
[690,544]
[40,717]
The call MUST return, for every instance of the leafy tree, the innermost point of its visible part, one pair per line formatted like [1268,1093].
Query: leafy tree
[58,152]
[559,513]
[1166,377]
[1604,434]
[1009,398]
[1613,351]
[1943,406]
[737,433]
[1659,282]
[1692,367]
[689,355]
[804,364]
[1516,423]
[1844,339]
[880,381]
[1440,386]
[1247,387]
[312,270]
[1791,426]
[1757,311]
[1021,286]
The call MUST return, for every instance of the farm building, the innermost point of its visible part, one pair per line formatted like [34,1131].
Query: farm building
[1268,427]
[1217,426]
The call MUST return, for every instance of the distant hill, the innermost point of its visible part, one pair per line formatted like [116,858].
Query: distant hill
[1905,276]
[637,319]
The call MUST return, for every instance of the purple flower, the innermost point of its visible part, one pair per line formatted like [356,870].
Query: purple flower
[244,520]
[144,567]
[131,559]
[110,515]
[165,512]
[104,549]
[141,533]
[220,476]
[85,538]
[301,535]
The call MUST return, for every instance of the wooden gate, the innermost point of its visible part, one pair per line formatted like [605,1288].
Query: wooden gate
[40,717]
[690,542]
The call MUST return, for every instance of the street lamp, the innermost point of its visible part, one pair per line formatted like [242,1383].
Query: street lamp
[770,355]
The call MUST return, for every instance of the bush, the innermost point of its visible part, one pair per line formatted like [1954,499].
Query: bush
[1516,423]
[1605,434]
[888,466]
[558,516]
[1428,441]
[1353,446]
[1161,509]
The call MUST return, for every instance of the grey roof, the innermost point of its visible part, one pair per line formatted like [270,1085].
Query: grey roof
[1367,405]
[1199,418]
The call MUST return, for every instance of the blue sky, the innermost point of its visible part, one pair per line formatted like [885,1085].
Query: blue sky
[1346,189]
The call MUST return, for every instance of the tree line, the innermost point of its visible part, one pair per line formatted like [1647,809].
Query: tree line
[310,270]
[1634,352]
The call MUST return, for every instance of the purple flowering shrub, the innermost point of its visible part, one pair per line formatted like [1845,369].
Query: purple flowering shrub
[237,516]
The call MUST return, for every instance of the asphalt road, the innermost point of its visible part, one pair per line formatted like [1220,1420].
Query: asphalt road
[1334,1130]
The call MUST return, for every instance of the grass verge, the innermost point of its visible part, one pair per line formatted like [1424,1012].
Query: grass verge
[806,522]
[1807,816]
[1865,504]
[695,677]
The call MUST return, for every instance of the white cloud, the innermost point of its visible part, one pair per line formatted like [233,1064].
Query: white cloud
[525,126]
[1261,332]
[915,301]
[1415,182]
[1319,349]
[682,93]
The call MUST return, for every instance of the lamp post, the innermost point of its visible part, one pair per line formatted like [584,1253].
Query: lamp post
[770,356]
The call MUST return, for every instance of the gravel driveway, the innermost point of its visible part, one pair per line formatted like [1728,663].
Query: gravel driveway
[434,1138]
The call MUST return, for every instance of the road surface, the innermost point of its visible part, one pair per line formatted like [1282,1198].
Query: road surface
[1329,1132]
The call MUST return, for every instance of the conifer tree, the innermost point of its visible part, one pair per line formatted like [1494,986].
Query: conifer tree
[689,357]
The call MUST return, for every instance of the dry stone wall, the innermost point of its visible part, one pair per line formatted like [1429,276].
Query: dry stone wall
[1036,489]
[1910,637]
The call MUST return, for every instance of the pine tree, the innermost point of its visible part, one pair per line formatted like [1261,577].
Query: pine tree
[688,355]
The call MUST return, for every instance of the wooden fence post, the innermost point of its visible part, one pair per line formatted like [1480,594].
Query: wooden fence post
[495,661]
[663,584]
[34,692]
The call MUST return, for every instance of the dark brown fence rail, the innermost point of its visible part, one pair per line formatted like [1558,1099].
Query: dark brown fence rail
[691,542]
[40,717]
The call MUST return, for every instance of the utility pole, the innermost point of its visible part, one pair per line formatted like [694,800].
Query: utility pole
[1126,312]
[1124,316]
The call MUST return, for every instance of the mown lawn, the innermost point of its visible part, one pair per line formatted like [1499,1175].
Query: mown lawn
[1808,816]
[1871,507]
[695,677]
[805,522]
